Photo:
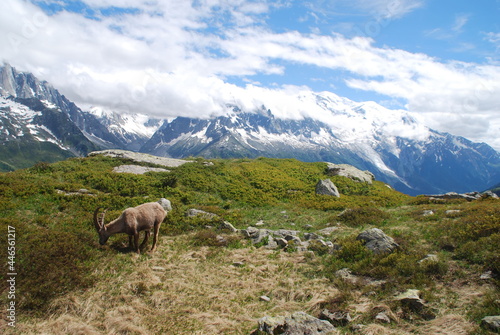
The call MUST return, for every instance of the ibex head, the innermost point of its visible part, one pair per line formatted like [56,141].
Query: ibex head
[100,227]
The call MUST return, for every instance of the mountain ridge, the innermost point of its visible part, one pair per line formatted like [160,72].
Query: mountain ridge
[399,149]
[431,162]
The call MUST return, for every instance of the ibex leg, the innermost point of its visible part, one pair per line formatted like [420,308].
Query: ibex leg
[146,238]
[136,243]
[155,236]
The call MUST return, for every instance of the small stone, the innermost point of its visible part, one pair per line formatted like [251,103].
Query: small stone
[227,226]
[411,298]
[328,231]
[431,258]
[487,275]
[382,317]
[492,323]
[311,236]
[221,240]
[281,242]
[259,223]
[452,211]
[264,298]
[338,318]
[238,264]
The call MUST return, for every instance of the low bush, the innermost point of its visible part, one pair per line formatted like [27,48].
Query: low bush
[209,238]
[398,267]
[360,216]
[51,263]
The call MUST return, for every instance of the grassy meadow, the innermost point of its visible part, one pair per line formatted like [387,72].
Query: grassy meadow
[198,283]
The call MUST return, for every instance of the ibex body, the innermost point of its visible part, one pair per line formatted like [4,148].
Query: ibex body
[132,221]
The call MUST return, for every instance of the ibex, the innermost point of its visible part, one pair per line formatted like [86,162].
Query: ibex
[132,221]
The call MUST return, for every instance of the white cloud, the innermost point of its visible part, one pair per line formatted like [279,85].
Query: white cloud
[170,58]
[389,9]
[460,21]
[493,38]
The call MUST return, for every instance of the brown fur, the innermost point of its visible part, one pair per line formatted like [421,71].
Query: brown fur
[132,221]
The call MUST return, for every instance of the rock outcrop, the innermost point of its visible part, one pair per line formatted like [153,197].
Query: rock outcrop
[137,169]
[349,171]
[141,158]
[298,323]
[471,196]
[285,238]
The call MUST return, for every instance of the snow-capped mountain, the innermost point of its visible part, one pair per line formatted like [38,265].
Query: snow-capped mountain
[105,128]
[132,130]
[33,111]
[32,130]
[37,123]
[392,144]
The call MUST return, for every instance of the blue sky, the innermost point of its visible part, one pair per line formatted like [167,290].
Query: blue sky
[438,59]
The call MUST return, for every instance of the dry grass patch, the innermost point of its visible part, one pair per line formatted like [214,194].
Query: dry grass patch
[448,325]
[188,291]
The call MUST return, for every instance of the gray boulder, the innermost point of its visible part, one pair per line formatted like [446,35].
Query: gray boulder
[326,187]
[349,171]
[377,241]
[166,204]
[298,323]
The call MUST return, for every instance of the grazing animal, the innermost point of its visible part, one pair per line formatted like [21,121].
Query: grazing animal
[132,221]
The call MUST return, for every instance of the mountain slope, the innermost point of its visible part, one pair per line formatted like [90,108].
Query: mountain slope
[106,132]
[31,131]
[394,146]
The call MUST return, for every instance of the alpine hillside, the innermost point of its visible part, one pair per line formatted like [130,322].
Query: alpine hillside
[393,145]
[37,123]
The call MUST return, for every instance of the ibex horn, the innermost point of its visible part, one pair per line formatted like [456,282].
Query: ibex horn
[99,221]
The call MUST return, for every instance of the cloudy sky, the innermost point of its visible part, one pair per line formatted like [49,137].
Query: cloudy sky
[439,59]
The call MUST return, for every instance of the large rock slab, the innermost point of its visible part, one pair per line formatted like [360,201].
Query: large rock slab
[350,171]
[141,158]
[137,169]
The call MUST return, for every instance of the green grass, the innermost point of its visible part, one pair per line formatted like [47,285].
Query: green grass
[62,262]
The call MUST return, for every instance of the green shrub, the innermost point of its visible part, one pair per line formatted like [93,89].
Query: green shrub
[485,251]
[360,216]
[210,238]
[51,263]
